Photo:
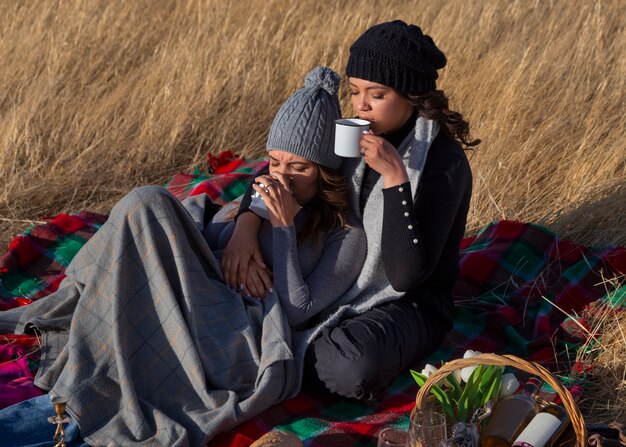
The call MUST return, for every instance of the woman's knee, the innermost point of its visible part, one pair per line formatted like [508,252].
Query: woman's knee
[141,199]
[347,368]
[147,194]
[364,354]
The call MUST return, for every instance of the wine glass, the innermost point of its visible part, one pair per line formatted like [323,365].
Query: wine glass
[391,437]
[426,429]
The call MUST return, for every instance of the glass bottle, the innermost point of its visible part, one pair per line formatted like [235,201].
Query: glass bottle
[545,428]
[510,416]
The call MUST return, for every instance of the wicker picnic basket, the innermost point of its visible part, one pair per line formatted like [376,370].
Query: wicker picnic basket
[576,418]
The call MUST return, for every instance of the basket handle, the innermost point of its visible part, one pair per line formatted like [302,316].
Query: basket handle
[576,418]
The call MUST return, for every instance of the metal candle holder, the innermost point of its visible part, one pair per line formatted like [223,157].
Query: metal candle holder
[60,419]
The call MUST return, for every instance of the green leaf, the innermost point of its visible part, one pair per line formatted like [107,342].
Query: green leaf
[456,387]
[459,402]
[493,384]
[466,403]
[494,388]
[475,399]
[462,408]
[440,395]
[448,409]
[487,374]
[419,378]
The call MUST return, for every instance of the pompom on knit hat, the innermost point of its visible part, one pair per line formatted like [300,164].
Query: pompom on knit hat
[305,124]
[397,55]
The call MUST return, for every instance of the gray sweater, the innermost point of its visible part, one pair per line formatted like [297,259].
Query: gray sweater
[308,277]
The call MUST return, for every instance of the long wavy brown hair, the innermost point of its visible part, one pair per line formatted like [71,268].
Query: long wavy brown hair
[330,206]
[434,105]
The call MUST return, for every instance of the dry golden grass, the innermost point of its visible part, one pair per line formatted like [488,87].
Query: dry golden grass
[97,97]
[605,395]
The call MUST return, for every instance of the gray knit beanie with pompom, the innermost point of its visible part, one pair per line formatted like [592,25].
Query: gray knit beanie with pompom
[304,124]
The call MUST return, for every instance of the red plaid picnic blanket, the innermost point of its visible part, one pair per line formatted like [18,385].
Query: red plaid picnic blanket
[521,291]
[34,264]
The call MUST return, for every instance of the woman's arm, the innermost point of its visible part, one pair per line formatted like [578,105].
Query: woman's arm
[340,264]
[414,235]
[341,260]
[242,262]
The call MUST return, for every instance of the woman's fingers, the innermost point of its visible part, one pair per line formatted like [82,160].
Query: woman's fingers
[266,278]
[235,269]
[227,269]
[270,191]
[242,274]
[246,292]
[255,284]
[371,142]
[262,179]
[231,270]
[258,258]
[276,180]
[259,280]
[278,197]
[383,158]
[265,181]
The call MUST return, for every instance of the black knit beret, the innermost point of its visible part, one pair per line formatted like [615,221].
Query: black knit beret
[396,55]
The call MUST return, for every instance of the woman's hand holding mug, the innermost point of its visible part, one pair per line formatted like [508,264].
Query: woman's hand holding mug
[383,158]
[278,197]
[354,138]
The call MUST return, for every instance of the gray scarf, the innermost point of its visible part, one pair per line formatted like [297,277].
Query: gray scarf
[372,287]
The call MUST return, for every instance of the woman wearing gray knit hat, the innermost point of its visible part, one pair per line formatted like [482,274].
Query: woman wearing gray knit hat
[160,351]
[303,171]
[412,189]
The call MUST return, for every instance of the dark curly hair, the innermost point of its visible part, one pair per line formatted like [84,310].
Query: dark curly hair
[434,105]
[330,205]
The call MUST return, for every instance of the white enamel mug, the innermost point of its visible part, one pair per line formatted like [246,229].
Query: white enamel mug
[348,133]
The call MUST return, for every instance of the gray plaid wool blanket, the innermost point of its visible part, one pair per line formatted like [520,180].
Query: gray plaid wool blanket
[160,352]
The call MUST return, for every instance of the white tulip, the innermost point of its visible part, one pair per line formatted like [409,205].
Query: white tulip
[468,370]
[510,384]
[457,375]
[429,369]
[466,373]
[469,354]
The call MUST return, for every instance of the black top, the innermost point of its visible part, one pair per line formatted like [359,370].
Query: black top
[420,251]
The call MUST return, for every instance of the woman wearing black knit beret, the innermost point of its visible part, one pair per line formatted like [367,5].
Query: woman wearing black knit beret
[412,190]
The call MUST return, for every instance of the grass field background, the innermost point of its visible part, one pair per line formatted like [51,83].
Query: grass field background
[97,97]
